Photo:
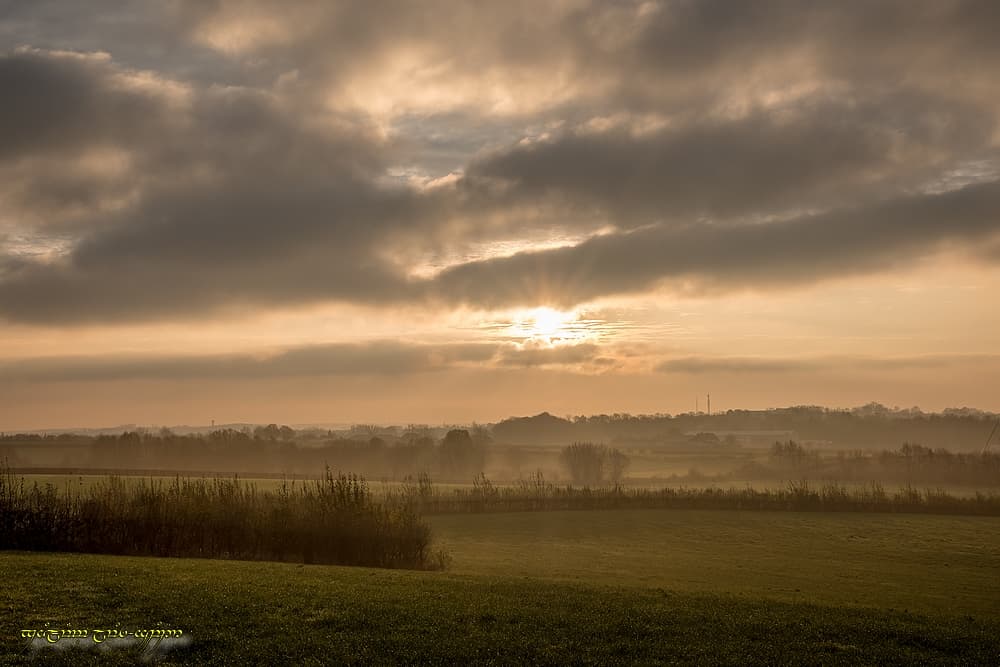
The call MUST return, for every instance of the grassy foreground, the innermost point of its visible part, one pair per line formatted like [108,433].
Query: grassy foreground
[277,613]
[646,587]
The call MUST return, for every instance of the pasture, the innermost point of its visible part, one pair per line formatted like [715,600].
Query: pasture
[643,586]
[932,564]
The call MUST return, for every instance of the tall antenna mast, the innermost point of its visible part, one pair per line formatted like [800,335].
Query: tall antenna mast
[709,397]
[987,445]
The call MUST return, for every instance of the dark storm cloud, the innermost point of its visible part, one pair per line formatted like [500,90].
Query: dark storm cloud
[61,102]
[693,53]
[700,257]
[801,156]
[376,358]
[239,200]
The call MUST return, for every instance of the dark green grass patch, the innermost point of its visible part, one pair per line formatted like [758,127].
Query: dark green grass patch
[279,613]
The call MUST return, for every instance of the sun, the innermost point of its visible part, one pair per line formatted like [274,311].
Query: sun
[547,323]
[548,327]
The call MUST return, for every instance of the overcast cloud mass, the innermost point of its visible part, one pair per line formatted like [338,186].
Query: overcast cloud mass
[676,192]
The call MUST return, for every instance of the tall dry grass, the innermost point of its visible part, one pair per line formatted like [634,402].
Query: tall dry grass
[332,520]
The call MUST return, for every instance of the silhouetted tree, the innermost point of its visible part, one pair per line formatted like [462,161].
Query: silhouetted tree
[460,455]
[585,462]
[588,463]
[617,465]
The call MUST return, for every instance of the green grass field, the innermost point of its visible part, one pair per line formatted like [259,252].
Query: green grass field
[934,564]
[647,586]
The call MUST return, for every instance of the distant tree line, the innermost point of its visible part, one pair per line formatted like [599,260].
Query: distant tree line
[459,455]
[870,427]
[909,464]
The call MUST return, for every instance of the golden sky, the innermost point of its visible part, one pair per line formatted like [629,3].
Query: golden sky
[336,212]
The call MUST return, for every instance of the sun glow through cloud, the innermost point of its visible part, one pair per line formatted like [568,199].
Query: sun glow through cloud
[548,325]
[548,322]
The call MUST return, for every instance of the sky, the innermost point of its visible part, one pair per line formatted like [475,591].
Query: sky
[425,212]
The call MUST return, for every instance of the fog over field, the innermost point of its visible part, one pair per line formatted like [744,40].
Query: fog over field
[535,301]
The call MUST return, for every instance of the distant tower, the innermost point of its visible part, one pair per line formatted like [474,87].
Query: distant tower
[987,445]
[697,407]
[709,397]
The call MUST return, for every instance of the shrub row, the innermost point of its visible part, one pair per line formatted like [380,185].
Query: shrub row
[332,520]
[535,494]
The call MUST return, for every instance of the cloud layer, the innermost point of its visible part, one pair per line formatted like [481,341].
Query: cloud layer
[386,358]
[296,156]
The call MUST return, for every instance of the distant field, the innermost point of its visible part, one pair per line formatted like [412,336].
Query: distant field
[653,463]
[647,586]
[935,564]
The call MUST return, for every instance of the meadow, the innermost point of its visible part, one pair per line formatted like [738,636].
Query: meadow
[930,564]
[583,587]
[596,587]
[672,574]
